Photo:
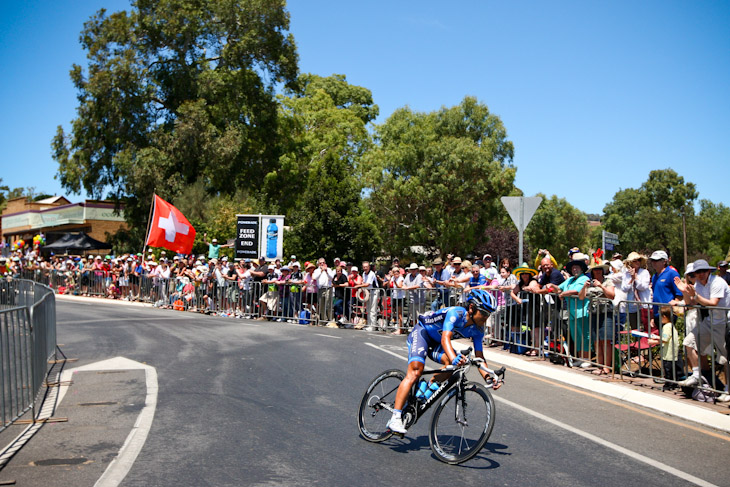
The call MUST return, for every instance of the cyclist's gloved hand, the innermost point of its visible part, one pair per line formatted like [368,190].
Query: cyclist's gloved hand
[457,359]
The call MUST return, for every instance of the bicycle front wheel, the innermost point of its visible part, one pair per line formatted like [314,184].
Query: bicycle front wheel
[461,426]
[377,404]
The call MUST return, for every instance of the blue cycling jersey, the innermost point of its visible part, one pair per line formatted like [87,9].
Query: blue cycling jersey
[451,319]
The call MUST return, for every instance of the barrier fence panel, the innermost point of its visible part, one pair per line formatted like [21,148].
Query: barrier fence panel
[626,338]
[27,343]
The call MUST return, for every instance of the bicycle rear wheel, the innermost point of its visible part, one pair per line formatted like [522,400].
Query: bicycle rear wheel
[373,415]
[461,426]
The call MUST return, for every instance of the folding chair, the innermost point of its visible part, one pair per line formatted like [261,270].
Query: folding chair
[638,351]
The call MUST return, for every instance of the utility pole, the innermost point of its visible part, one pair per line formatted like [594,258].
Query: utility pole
[684,235]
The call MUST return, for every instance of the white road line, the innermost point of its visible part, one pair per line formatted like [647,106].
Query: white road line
[328,336]
[144,318]
[120,466]
[636,456]
[386,351]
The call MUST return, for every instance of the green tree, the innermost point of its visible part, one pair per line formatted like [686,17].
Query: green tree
[435,178]
[327,137]
[325,117]
[174,91]
[709,232]
[650,218]
[557,226]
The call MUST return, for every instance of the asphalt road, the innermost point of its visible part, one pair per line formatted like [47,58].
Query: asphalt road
[260,403]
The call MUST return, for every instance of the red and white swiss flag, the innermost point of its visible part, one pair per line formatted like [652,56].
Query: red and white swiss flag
[170,229]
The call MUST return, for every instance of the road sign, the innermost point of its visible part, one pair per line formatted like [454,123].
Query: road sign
[610,240]
[521,210]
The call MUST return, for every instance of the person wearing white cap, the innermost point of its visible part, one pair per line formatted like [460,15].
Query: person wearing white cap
[412,283]
[662,284]
[213,247]
[370,282]
[708,337]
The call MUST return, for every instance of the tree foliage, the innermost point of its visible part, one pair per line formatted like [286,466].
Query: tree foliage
[324,118]
[327,137]
[709,233]
[557,226]
[650,218]
[174,91]
[435,178]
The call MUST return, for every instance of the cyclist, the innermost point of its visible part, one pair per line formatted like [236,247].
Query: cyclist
[432,336]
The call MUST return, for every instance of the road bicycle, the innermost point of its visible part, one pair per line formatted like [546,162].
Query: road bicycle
[460,425]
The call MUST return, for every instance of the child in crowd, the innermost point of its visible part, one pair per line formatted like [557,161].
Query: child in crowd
[670,346]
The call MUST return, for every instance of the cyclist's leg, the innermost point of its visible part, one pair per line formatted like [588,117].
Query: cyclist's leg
[415,369]
[417,350]
[439,356]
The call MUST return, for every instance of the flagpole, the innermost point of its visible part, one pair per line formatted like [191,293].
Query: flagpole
[149,221]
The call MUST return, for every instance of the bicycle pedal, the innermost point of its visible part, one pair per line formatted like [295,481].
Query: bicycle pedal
[399,435]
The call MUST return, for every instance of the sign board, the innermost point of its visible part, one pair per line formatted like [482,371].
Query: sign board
[521,210]
[247,237]
[259,235]
[271,242]
[610,240]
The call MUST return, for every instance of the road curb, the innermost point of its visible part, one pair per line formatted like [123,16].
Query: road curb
[89,299]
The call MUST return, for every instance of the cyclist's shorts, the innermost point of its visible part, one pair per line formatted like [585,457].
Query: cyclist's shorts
[421,345]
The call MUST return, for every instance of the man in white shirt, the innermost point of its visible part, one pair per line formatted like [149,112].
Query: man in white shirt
[709,291]
[370,282]
[488,270]
[413,282]
[323,276]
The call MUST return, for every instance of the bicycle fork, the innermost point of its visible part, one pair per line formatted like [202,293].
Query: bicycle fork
[460,409]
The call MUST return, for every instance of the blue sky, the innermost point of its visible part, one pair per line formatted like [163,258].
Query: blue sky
[594,95]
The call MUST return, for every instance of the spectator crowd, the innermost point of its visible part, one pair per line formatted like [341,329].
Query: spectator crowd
[588,312]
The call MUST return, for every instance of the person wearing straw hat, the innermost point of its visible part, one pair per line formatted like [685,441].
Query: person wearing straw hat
[578,315]
[636,283]
[526,281]
[526,285]
[709,291]
[600,293]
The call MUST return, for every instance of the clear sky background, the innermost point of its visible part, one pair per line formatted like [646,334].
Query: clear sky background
[594,95]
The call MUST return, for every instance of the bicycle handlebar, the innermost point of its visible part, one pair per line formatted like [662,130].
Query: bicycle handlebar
[496,375]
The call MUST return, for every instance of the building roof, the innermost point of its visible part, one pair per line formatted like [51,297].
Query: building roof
[53,200]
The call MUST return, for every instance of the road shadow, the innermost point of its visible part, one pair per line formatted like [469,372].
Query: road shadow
[408,444]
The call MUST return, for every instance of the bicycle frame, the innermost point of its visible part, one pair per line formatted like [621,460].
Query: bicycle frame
[414,409]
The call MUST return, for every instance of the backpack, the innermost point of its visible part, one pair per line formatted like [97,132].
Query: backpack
[703,393]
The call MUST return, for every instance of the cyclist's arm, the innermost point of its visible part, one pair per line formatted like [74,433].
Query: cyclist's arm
[480,354]
[446,345]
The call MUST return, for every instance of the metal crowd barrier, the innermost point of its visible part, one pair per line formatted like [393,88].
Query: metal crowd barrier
[627,339]
[27,343]
[624,339]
